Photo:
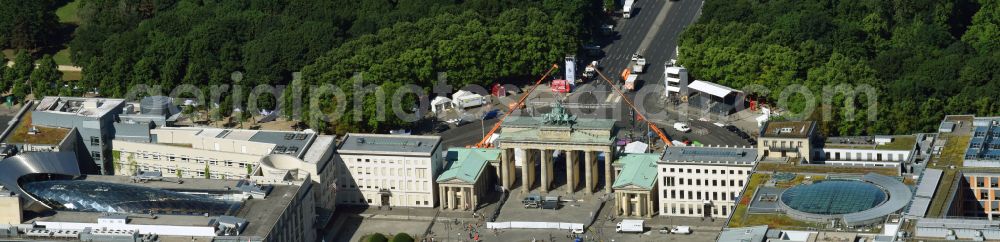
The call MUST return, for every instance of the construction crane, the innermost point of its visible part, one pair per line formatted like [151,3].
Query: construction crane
[652,126]
[485,142]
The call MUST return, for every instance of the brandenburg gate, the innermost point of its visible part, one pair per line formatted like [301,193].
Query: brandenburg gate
[540,137]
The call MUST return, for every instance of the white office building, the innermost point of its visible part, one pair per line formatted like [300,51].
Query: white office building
[388,170]
[703,181]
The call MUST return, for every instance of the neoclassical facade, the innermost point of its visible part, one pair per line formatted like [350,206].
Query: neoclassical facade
[581,140]
[635,187]
[466,179]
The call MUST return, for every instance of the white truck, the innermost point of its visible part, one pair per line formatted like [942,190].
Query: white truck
[638,63]
[591,70]
[627,8]
[465,99]
[630,226]
[630,82]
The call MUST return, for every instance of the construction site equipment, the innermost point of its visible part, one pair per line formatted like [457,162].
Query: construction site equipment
[485,142]
[663,136]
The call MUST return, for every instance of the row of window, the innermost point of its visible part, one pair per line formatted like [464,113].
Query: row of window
[416,186]
[981,181]
[669,181]
[696,209]
[397,172]
[707,171]
[784,144]
[157,156]
[700,195]
[385,161]
[863,156]
[190,173]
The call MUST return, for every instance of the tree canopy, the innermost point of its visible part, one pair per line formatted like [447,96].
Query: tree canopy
[391,43]
[27,24]
[923,58]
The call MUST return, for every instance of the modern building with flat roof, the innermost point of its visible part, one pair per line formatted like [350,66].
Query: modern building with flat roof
[213,153]
[787,139]
[703,181]
[83,125]
[118,208]
[388,170]
[207,152]
[984,147]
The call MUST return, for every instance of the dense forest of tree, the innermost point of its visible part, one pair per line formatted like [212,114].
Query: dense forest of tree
[925,58]
[172,42]
[28,24]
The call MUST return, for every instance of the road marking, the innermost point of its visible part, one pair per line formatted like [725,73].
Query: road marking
[660,17]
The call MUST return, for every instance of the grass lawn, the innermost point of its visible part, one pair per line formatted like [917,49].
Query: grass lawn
[72,75]
[951,155]
[902,142]
[795,168]
[62,57]
[45,135]
[741,209]
[67,13]
[779,221]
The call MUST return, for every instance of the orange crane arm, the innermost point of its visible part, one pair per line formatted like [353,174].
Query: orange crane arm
[652,126]
[520,103]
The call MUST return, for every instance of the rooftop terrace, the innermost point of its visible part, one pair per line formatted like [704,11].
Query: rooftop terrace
[788,129]
[44,135]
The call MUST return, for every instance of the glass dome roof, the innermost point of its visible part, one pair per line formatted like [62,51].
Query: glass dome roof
[834,197]
[93,196]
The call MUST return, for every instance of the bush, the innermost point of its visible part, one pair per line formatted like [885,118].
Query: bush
[402,237]
[377,237]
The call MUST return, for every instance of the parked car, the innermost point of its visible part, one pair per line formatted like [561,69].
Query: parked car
[683,127]
[532,201]
[665,230]
[681,230]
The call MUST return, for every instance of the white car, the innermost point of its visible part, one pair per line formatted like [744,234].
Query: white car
[681,230]
[721,125]
[683,127]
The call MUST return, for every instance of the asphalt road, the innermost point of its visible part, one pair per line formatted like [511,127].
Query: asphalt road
[653,31]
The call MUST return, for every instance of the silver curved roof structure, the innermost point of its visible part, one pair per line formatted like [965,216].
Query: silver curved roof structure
[899,196]
[14,167]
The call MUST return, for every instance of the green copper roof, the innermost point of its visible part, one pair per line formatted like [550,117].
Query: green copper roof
[638,170]
[467,163]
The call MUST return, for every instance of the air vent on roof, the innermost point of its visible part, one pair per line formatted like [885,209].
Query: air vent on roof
[279,150]
[785,130]
[300,136]
[361,140]
[289,136]
[293,150]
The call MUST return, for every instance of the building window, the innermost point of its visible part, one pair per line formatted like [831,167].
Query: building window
[673,194]
[96,155]
[94,140]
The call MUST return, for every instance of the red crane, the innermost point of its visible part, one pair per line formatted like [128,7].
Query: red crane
[484,143]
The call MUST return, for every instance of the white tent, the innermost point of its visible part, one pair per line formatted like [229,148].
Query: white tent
[636,147]
[711,88]
[464,99]
[440,104]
